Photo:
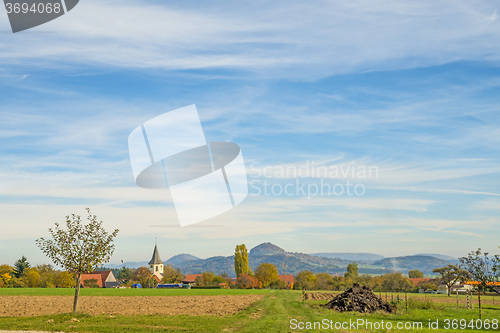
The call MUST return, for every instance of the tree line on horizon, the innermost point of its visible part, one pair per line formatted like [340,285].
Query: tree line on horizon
[265,276]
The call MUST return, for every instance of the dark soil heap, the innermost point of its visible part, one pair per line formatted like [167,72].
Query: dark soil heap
[359,299]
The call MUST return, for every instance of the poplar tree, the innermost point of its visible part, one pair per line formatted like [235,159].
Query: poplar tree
[241,260]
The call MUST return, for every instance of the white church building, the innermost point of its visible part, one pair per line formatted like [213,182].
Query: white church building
[156,265]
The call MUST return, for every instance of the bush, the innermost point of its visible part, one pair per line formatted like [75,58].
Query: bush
[245,281]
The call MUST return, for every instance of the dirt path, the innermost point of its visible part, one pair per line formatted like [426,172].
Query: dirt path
[27,306]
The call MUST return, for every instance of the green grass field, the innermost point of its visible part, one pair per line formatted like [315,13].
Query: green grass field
[271,314]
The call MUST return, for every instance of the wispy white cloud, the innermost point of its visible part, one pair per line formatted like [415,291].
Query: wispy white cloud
[490,204]
[493,16]
[379,173]
[273,38]
[437,190]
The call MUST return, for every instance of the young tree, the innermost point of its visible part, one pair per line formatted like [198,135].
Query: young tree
[64,280]
[266,274]
[241,260]
[143,276]
[279,284]
[124,275]
[451,274]
[425,285]
[218,279]
[205,280]
[80,249]
[171,275]
[396,282]
[482,269]
[305,280]
[324,281]
[352,270]
[47,274]
[20,266]
[6,273]
[415,273]
[32,278]
[227,279]
[245,281]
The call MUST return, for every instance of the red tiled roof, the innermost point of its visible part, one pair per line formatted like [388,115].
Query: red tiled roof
[100,276]
[92,276]
[190,278]
[417,281]
[289,278]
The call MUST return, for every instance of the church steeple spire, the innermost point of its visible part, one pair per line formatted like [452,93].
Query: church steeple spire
[155,260]
[156,265]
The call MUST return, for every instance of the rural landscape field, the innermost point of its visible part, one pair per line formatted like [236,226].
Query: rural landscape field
[220,311]
[240,298]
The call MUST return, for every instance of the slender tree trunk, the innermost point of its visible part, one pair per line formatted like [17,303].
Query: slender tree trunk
[77,291]
[479,300]
[449,290]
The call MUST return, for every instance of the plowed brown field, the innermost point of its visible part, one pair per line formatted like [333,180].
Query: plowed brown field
[222,305]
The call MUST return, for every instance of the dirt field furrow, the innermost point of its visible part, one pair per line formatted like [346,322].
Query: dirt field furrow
[14,306]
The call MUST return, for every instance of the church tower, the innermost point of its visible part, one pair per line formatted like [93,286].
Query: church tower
[156,265]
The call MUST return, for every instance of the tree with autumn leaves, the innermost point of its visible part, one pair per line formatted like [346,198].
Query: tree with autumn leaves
[450,274]
[267,274]
[241,260]
[482,269]
[80,248]
[40,276]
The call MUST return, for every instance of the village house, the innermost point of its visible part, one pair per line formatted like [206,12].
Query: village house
[190,278]
[100,279]
[289,280]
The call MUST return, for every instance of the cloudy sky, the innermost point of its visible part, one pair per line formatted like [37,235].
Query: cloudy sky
[408,89]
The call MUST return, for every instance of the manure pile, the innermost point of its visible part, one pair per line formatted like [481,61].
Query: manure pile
[359,299]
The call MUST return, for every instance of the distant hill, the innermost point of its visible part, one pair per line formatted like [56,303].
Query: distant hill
[180,258]
[368,257]
[424,264]
[439,256]
[129,264]
[266,249]
[293,262]
[265,252]
[218,265]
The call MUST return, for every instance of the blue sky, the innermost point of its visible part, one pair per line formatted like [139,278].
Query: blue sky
[410,88]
